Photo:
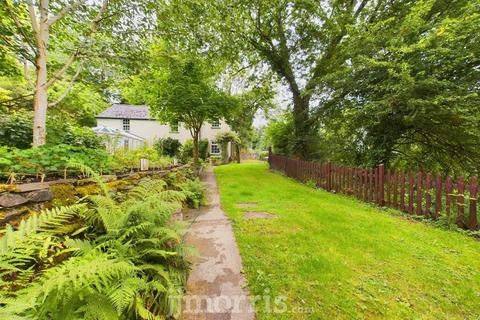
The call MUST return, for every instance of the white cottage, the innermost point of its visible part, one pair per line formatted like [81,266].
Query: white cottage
[136,120]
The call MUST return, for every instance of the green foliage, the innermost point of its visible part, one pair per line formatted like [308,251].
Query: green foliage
[186,152]
[16,130]
[195,192]
[278,135]
[46,159]
[101,259]
[180,88]
[168,147]
[203,150]
[131,158]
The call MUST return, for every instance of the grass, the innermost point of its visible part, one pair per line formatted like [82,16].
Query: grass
[333,257]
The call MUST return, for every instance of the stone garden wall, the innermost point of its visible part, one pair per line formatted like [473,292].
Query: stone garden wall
[19,200]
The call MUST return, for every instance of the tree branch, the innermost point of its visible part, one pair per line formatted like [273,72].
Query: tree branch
[68,89]
[93,28]
[20,27]
[33,17]
[63,12]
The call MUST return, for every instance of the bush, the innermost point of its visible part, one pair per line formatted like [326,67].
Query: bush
[16,130]
[203,149]
[195,191]
[186,152]
[47,159]
[131,158]
[168,147]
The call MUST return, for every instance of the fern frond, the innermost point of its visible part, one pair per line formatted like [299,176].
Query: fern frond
[86,170]
[45,221]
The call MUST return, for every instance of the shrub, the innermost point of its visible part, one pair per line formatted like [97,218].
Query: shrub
[195,191]
[203,149]
[47,159]
[168,147]
[131,158]
[186,152]
[16,130]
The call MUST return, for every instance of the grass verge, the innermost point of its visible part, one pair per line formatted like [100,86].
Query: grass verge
[333,257]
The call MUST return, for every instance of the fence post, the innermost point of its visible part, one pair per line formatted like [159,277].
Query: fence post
[472,218]
[402,191]
[395,189]
[328,176]
[461,203]
[419,192]
[428,196]
[381,185]
[448,195]
[438,196]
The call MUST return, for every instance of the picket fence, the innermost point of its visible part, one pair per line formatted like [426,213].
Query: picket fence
[417,193]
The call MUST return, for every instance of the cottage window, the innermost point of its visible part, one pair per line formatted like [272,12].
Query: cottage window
[214,148]
[126,144]
[126,125]
[215,124]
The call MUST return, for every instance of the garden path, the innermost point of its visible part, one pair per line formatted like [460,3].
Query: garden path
[216,287]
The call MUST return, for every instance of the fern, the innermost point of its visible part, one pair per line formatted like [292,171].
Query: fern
[46,221]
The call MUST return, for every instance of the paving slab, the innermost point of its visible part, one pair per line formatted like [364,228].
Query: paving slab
[216,287]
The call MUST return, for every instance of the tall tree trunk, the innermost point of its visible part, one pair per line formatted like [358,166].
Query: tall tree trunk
[195,146]
[302,130]
[40,100]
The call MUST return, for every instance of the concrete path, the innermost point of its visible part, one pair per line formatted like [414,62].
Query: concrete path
[216,288]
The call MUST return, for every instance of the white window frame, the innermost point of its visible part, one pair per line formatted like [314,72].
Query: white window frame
[217,146]
[215,124]
[126,125]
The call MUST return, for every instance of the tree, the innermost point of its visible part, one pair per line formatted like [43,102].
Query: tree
[300,40]
[412,89]
[180,89]
[28,29]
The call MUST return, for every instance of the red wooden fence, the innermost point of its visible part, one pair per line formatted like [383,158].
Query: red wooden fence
[416,193]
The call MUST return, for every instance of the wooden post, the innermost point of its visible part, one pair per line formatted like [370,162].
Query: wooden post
[410,192]
[472,217]
[388,180]
[428,196]
[461,203]
[381,185]
[448,195]
[402,191]
[370,185]
[419,193]
[327,176]
[438,196]
[395,189]
[365,185]
[375,185]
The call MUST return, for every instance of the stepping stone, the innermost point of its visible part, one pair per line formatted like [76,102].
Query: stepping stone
[246,205]
[258,215]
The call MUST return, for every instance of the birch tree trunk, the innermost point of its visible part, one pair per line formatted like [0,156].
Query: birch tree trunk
[40,100]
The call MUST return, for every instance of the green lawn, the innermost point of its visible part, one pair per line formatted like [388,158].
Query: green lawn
[342,259]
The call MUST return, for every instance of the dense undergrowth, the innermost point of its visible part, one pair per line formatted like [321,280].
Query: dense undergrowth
[110,256]
[53,161]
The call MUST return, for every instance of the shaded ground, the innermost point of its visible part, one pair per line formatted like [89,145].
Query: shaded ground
[332,257]
[216,287]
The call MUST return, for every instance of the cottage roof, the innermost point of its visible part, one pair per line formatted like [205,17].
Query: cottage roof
[126,111]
